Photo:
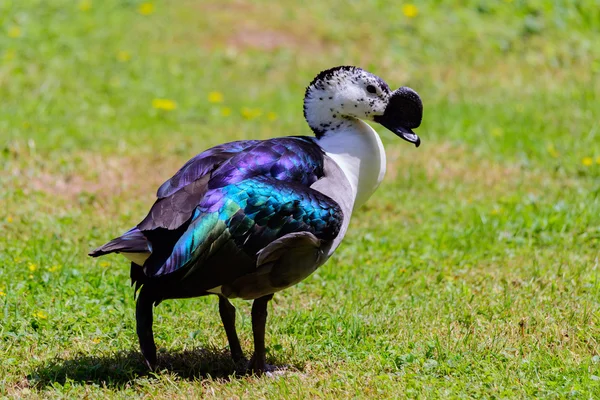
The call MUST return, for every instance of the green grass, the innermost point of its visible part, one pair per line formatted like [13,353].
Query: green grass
[472,272]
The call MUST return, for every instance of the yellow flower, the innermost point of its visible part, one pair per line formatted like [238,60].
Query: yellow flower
[146,8]
[104,264]
[552,151]
[32,267]
[85,5]
[587,161]
[95,340]
[9,219]
[123,56]
[226,111]
[251,113]
[14,32]
[2,294]
[271,116]
[164,104]
[53,268]
[410,10]
[215,97]
[40,315]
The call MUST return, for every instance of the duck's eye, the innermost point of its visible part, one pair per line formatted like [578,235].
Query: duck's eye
[371,89]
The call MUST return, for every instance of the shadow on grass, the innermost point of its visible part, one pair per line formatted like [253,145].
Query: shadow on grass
[118,369]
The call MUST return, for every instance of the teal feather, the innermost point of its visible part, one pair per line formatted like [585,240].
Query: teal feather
[252,213]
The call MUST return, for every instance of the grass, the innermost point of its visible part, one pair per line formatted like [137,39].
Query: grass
[473,271]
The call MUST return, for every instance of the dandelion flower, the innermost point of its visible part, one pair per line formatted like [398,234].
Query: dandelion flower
[96,340]
[9,219]
[215,97]
[32,267]
[14,32]
[123,56]
[410,10]
[85,5]
[2,294]
[271,116]
[40,315]
[587,161]
[225,111]
[146,8]
[164,104]
[251,113]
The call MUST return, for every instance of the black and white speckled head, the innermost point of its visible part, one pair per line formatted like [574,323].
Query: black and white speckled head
[343,92]
[339,95]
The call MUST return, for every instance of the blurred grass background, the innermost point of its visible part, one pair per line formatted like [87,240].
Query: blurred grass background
[472,272]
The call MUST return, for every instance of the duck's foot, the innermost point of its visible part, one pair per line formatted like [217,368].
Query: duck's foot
[259,367]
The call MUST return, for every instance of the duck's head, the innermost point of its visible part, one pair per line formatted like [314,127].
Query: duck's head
[340,95]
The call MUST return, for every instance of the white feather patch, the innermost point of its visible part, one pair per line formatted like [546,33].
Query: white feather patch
[138,258]
[358,151]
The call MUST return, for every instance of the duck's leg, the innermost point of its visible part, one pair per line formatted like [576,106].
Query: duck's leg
[227,311]
[259,320]
[143,316]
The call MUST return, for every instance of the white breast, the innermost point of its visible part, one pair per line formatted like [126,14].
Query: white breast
[360,154]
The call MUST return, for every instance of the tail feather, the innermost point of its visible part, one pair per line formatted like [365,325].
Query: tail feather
[133,241]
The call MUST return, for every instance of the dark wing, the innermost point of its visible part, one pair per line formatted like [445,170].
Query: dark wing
[296,160]
[289,159]
[248,216]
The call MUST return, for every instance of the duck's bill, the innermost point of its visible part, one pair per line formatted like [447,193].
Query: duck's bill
[403,113]
[402,132]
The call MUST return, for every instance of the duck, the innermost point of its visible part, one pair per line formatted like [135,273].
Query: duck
[250,218]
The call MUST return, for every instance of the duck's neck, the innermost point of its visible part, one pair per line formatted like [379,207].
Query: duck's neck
[358,150]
